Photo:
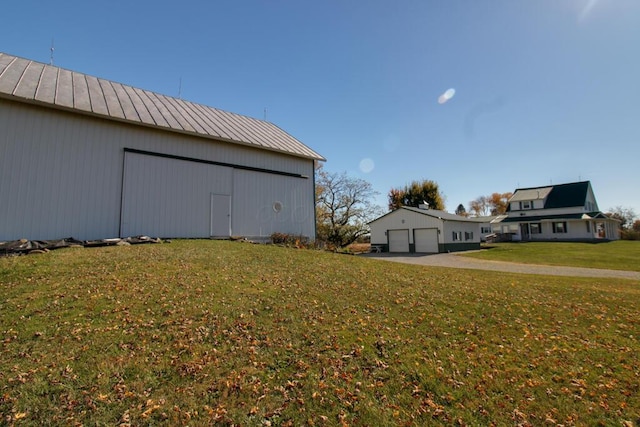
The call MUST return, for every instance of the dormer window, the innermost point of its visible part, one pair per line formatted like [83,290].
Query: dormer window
[525,205]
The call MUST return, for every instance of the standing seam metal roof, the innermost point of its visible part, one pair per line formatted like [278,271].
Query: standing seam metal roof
[29,81]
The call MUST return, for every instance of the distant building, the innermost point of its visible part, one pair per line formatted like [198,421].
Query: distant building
[89,158]
[565,212]
[424,230]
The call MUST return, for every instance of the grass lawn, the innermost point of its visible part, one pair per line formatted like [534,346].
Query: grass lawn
[204,332]
[618,255]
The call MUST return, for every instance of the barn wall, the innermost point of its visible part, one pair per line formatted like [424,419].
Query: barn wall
[61,174]
[264,204]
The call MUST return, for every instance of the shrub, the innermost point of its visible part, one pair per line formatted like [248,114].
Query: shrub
[285,239]
[629,234]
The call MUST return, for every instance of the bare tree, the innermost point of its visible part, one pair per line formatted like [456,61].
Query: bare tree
[479,206]
[495,204]
[626,216]
[344,206]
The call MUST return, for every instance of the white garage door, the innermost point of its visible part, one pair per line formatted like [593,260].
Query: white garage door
[426,240]
[398,240]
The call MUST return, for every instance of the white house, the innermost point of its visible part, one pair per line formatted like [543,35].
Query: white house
[425,231]
[89,158]
[565,212]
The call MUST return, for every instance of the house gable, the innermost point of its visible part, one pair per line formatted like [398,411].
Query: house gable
[572,195]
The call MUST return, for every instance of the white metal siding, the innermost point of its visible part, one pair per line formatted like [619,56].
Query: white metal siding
[463,227]
[170,198]
[426,240]
[264,204]
[59,176]
[398,240]
[61,173]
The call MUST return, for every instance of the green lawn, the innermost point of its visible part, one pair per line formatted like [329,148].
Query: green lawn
[204,332]
[618,255]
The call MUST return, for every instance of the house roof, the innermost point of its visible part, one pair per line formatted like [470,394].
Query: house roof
[539,193]
[557,196]
[37,83]
[445,216]
[487,219]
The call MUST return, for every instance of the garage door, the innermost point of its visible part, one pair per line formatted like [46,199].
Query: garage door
[398,240]
[426,240]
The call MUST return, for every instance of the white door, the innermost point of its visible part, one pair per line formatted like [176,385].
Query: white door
[398,240]
[220,215]
[426,240]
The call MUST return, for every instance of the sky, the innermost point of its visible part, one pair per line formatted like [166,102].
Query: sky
[480,96]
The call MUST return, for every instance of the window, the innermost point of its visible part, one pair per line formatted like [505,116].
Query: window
[525,205]
[468,235]
[485,230]
[559,227]
[536,228]
[457,235]
[588,226]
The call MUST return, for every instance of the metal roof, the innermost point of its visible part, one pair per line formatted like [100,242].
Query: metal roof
[445,216]
[525,194]
[557,196]
[37,83]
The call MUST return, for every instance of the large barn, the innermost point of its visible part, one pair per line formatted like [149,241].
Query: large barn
[89,158]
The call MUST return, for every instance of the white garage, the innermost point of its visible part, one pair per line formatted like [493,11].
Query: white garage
[89,158]
[421,230]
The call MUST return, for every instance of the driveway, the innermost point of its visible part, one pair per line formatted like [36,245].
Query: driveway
[453,260]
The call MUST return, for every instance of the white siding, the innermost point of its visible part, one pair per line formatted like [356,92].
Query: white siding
[170,198]
[61,173]
[461,227]
[264,204]
[575,230]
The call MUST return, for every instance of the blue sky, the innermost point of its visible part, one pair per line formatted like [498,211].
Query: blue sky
[546,91]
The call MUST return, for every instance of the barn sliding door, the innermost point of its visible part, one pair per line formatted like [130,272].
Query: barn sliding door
[168,197]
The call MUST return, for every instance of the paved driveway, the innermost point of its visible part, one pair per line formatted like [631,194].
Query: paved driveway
[452,260]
